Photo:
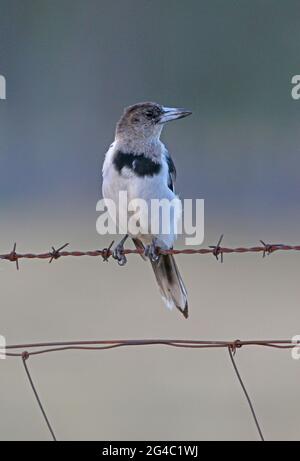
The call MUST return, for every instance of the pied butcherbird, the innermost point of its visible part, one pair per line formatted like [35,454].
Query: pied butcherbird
[139,163]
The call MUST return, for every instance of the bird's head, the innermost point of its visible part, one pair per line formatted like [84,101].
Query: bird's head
[146,119]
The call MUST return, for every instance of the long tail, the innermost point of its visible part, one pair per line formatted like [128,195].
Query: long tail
[169,280]
[170,283]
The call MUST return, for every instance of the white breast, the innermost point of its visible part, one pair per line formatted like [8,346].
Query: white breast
[146,188]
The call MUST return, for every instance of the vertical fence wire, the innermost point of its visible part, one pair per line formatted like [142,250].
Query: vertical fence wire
[24,351]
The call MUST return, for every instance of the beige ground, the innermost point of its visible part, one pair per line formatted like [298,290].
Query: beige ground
[154,392]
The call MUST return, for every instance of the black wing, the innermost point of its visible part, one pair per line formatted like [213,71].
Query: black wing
[172,172]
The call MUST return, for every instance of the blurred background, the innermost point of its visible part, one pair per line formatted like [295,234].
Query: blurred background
[71,66]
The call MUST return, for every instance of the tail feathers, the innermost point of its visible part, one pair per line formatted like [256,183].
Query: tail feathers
[170,283]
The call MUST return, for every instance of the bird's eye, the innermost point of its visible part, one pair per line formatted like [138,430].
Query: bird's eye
[149,113]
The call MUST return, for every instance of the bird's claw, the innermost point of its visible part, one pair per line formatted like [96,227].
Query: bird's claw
[118,254]
[151,252]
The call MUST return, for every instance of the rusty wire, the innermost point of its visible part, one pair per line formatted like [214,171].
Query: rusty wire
[215,250]
[25,357]
[26,350]
[32,349]
[46,347]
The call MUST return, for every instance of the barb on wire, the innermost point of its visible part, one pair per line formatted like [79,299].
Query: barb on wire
[270,247]
[55,254]
[13,257]
[231,354]
[106,252]
[215,250]
[25,356]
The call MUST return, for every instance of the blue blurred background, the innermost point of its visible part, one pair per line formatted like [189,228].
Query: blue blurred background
[71,67]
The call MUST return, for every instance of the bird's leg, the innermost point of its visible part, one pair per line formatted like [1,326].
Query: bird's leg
[151,251]
[118,252]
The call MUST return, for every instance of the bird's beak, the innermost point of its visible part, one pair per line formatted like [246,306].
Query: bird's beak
[172,113]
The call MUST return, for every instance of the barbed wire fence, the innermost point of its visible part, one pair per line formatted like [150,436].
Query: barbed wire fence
[216,250]
[25,351]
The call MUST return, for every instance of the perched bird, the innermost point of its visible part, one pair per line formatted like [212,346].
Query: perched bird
[138,162]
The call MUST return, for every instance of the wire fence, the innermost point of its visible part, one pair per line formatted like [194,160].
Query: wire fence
[217,251]
[25,351]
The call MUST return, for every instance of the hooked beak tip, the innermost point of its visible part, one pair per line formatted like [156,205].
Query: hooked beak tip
[171,113]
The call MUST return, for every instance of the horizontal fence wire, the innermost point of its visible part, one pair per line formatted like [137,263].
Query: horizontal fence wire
[31,349]
[217,251]
[27,350]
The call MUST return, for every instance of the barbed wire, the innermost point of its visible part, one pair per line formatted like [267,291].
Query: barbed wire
[216,250]
[25,351]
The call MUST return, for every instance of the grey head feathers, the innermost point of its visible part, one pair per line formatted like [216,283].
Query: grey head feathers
[143,122]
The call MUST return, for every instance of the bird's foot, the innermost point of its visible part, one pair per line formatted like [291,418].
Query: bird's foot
[151,251]
[118,252]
